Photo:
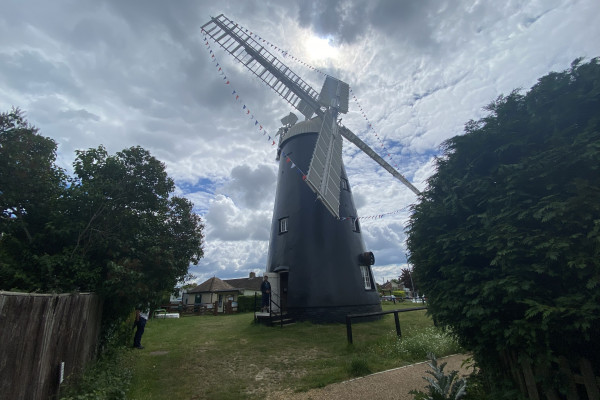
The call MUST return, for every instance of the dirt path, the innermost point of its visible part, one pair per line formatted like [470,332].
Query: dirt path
[393,384]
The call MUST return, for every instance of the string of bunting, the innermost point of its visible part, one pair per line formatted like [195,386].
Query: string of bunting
[246,111]
[286,54]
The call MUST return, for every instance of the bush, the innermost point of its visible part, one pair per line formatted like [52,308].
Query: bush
[504,241]
[246,304]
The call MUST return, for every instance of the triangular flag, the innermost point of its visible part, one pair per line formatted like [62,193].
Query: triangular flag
[293,165]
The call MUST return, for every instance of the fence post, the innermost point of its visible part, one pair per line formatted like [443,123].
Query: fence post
[349,329]
[397,320]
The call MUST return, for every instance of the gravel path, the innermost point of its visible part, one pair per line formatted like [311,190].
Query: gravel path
[393,384]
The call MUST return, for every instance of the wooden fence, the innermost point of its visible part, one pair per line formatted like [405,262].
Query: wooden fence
[581,381]
[42,337]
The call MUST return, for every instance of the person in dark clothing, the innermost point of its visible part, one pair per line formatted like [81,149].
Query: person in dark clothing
[265,288]
[141,317]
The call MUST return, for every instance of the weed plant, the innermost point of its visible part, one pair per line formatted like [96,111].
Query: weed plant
[105,379]
[109,377]
[415,345]
[359,367]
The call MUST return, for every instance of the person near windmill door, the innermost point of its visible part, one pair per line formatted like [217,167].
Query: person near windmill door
[265,288]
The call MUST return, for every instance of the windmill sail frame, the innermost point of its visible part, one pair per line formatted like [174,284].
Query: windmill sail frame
[324,172]
[264,64]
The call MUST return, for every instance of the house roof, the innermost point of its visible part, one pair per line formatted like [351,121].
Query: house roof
[246,283]
[213,285]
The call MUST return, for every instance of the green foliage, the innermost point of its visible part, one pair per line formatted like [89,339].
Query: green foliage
[505,240]
[247,304]
[400,294]
[359,367]
[441,386]
[417,345]
[106,379]
[114,228]
[406,278]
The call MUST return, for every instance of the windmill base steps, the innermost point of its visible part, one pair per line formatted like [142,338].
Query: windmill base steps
[273,319]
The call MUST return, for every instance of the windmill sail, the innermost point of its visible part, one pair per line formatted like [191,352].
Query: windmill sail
[348,134]
[262,63]
[324,174]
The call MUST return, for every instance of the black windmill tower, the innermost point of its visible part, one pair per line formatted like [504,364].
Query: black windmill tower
[317,262]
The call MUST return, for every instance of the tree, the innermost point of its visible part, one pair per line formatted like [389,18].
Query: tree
[113,228]
[31,185]
[406,278]
[504,241]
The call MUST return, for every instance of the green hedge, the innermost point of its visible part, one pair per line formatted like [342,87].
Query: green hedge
[246,303]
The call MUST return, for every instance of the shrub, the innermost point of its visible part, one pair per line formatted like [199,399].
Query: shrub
[246,304]
[504,241]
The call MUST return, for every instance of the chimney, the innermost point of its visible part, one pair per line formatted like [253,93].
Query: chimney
[252,275]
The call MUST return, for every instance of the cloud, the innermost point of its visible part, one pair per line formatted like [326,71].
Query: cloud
[226,221]
[252,187]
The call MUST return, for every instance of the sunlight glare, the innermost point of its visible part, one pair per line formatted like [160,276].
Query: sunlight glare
[319,48]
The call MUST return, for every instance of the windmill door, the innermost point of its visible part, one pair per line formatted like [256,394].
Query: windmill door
[283,289]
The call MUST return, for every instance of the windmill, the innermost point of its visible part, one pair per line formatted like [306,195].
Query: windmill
[317,261]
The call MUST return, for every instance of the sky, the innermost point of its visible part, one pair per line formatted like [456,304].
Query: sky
[128,73]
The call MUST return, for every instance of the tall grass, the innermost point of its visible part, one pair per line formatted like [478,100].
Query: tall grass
[417,344]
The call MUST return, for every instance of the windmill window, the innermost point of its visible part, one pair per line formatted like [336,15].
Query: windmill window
[344,183]
[366,275]
[283,225]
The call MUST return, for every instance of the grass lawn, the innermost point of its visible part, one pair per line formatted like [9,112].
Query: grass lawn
[231,357]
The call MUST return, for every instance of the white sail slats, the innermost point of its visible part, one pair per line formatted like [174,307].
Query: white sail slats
[335,93]
[244,48]
[324,173]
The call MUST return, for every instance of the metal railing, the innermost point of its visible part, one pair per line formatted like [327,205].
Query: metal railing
[349,318]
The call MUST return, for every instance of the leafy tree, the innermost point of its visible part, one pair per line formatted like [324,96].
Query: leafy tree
[30,188]
[505,240]
[406,278]
[113,228]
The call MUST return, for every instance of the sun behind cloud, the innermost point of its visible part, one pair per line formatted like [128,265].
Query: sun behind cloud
[318,48]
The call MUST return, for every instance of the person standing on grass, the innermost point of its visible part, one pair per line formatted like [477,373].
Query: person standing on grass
[265,288]
[141,317]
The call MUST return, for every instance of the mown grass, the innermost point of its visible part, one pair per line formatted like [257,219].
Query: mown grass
[231,357]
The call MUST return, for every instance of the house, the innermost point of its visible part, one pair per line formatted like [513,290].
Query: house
[220,291]
[389,287]
[247,286]
[211,291]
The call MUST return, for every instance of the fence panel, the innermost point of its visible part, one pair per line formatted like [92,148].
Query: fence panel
[37,333]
